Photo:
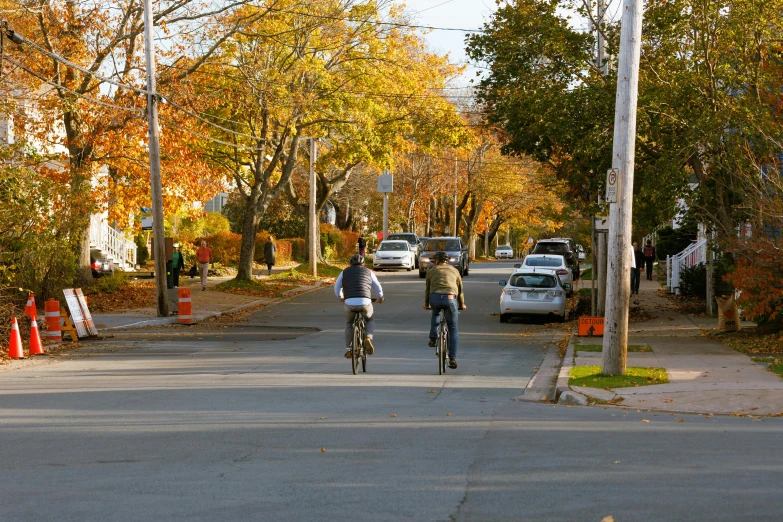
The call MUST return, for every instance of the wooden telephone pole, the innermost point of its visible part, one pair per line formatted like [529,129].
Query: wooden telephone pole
[618,288]
[156,187]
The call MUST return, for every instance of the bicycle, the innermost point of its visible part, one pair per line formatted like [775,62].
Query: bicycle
[357,344]
[442,343]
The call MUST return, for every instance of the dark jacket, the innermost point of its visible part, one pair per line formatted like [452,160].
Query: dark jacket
[639,255]
[362,242]
[269,252]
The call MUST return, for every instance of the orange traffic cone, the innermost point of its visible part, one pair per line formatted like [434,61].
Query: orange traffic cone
[15,348]
[30,310]
[36,346]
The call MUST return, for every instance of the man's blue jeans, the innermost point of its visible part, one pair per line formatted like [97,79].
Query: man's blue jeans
[440,302]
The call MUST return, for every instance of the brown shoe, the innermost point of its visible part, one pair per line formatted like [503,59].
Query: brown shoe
[348,354]
[368,347]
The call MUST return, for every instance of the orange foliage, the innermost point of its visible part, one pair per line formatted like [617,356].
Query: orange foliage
[758,276]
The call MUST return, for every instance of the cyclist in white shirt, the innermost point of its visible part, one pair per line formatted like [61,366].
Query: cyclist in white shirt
[355,286]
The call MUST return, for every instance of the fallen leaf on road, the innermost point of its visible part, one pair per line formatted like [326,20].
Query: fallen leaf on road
[608,519]
[645,420]
[448,415]
[393,415]
[430,391]
[321,417]
[681,420]
[323,450]
[616,461]
[522,451]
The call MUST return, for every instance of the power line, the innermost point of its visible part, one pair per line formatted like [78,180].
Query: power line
[374,22]
[80,95]
[78,67]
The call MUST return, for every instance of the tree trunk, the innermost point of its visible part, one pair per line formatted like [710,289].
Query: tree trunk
[248,248]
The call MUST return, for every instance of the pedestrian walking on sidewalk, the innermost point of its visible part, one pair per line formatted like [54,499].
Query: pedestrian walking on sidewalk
[269,253]
[636,271]
[177,265]
[204,258]
[649,257]
[362,245]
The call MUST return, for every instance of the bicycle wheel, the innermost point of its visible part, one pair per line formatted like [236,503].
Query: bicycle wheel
[362,352]
[442,345]
[355,347]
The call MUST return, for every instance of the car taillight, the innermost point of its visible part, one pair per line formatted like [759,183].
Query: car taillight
[510,291]
[554,293]
[562,272]
[96,265]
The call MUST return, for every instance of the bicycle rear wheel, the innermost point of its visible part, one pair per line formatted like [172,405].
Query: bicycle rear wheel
[443,345]
[355,347]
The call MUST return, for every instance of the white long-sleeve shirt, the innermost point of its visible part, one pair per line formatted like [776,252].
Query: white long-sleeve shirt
[358,301]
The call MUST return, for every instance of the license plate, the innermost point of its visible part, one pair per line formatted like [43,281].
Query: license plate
[532,295]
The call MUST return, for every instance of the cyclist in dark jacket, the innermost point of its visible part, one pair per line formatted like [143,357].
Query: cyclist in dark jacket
[355,286]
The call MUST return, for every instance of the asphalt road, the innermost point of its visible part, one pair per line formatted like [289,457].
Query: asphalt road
[264,421]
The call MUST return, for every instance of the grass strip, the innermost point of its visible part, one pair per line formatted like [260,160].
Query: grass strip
[592,377]
[598,348]
[301,274]
[254,288]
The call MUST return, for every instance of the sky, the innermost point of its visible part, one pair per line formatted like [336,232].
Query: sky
[465,14]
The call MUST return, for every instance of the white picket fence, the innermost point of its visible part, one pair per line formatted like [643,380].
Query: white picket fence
[112,243]
[693,255]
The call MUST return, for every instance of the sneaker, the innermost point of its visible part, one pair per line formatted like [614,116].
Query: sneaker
[453,363]
[368,347]
[348,353]
[203,288]
[432,342]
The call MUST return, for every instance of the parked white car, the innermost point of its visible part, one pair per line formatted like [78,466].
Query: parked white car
[556,263]
[394,254]
[504,252]
[532,291]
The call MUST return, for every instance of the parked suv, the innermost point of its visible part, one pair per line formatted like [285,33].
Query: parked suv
[411,238]
[101,266]
[457,252]
[562,247]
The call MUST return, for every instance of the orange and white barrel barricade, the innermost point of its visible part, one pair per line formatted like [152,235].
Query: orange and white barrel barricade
[185,306]
[52,314]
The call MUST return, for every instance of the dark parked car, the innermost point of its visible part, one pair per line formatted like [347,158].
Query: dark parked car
[561,247]
[457,252]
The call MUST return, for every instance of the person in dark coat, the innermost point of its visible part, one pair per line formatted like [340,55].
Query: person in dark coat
[269,254]
[177,264]
[649,257]
[362,245]
[636,272]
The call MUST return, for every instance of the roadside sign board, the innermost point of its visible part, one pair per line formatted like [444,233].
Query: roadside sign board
[386,183]
[530,241]
[89,323]
[601,222]
[72,302]
[591,326]
[146,218]
[612,180]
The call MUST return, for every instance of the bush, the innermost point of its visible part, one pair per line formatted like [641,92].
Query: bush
[142,252]
[671,241]
[225,247]
[693,281]
[297,248]
[337,244]
[757,275]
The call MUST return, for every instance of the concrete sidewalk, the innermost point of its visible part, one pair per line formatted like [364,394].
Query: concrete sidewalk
[205,304]
[705,376]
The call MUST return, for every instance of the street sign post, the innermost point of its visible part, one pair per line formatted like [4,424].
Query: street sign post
[385,185]
[612,179]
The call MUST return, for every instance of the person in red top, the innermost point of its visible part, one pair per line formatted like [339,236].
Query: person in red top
[204,258]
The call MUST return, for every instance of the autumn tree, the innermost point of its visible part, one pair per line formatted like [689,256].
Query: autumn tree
[78,74]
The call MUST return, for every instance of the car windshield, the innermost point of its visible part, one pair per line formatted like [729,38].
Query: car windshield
[442,244]
[393,246]
[533,281]
[551,248]
[403,237]
[543,261]
[504,248]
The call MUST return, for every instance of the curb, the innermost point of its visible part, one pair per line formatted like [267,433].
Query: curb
[565,369]
[541,387]
[197,318]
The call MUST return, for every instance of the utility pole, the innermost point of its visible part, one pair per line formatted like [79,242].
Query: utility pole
[618,288]
[159,245]
[603,65]
[454,231]
[313,218]
[385,211]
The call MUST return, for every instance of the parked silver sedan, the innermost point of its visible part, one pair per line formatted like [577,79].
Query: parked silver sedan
[532,291]
[555,262]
